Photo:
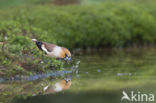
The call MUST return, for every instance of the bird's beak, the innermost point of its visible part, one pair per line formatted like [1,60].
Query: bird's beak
[67,80]
[67,59]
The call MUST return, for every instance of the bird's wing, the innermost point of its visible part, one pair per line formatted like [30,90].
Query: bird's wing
[49,47]
[45,88]
[44,48]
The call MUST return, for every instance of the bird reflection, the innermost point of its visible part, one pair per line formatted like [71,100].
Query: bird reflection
[59,86]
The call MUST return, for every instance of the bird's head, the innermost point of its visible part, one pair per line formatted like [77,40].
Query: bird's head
[68,79]
[38,43]
[67,83]
[67,55]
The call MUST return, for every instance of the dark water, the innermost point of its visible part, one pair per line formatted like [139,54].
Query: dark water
[97,77]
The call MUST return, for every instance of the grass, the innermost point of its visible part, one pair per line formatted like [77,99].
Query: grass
[139,62]
[15,3]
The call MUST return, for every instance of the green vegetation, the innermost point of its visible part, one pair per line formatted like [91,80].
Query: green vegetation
[107,25]
[110,24]
[21,61]
[110,72]
[25,89]
[14,3]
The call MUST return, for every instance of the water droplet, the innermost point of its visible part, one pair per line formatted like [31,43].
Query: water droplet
[118,74]
[77,71]
[77,76]
[98,70]
[78,62]
[5,38]
[76,66]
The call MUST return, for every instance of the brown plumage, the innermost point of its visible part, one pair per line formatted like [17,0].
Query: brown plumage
[57,87]
[65,52]
[53,50]
[50,47]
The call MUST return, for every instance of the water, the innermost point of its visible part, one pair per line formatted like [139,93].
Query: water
[96,77]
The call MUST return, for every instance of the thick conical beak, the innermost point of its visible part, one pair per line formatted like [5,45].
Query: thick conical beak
[67,59]
[67,80]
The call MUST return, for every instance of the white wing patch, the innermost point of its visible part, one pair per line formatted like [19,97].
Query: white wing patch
[55,52]
[44,49]
[45,88]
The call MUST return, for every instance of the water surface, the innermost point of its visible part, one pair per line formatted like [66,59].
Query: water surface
[97,77]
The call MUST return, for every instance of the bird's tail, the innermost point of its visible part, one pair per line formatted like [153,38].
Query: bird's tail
[34,40]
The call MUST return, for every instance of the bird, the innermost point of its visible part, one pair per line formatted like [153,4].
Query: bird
[53,50]
[58,86]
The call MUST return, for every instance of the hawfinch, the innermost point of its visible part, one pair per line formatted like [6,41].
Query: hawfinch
[58,87]
[53,50]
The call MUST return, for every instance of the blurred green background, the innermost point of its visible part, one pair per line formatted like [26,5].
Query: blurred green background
[107,23]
